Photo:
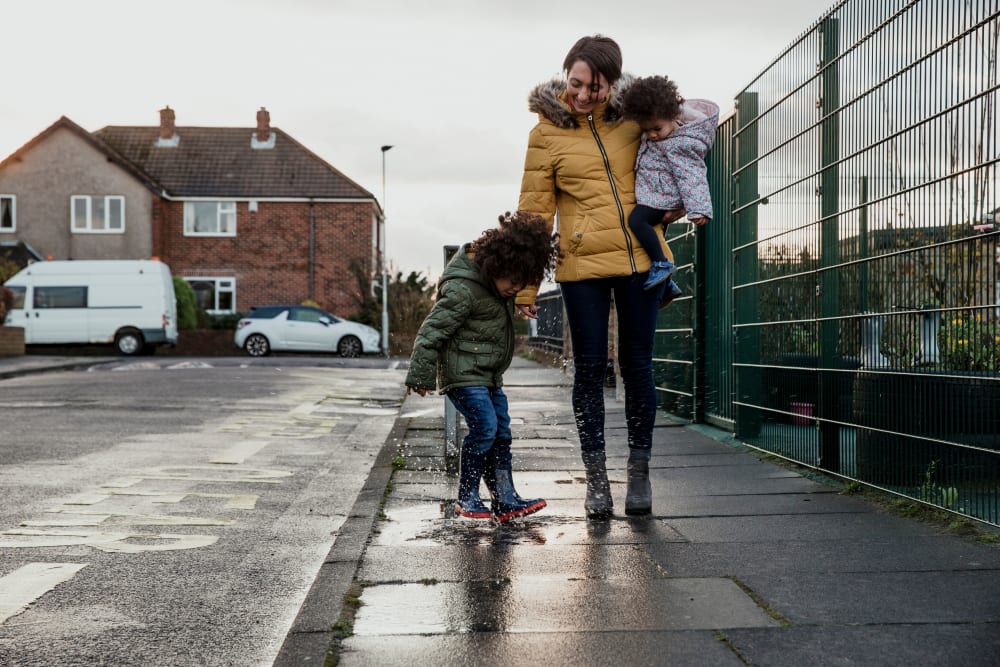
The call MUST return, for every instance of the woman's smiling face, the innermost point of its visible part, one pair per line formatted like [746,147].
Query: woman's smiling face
[583,90]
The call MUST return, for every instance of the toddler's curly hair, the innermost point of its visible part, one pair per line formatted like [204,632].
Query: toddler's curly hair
[650,98]
[520,249]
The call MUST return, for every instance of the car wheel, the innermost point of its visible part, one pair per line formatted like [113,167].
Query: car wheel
[129,342]
[257,345]
[349,346]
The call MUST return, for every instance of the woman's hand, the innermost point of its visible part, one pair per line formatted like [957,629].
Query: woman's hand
[699,220]
[528,310]
[419,390]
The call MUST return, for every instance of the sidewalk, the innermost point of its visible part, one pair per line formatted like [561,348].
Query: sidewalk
[28,364]
[742,562]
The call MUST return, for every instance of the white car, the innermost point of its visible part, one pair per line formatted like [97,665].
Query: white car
[290,328]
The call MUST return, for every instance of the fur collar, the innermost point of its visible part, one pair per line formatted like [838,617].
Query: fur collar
[546,99]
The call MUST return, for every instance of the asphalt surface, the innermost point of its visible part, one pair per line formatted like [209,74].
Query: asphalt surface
[743,561]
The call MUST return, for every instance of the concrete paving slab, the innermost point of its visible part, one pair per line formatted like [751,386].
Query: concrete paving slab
[671,506]
[425,523]
[787,557]
[883,597]
[845,526]
[892,645]
[494,558]
[554,604]
[638,649]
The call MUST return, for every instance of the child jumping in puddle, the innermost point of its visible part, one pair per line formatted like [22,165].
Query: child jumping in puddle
[466,343]
[670,172]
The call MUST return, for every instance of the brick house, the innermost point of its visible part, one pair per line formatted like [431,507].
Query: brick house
[246,215]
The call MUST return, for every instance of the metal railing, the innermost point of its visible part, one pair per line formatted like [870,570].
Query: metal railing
[866,332]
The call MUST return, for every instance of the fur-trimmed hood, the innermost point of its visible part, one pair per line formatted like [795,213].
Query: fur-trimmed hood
[548,100]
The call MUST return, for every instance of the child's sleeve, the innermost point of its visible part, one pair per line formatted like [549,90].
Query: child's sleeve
[449,313]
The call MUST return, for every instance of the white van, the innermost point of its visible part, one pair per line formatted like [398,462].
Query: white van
[129,303]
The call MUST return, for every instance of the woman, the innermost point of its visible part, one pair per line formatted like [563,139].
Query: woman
[579,163]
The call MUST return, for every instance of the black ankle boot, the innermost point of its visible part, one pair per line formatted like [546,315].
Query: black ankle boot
[598,504]
[639,496]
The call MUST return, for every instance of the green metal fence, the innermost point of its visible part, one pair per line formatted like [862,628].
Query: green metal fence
[856,252]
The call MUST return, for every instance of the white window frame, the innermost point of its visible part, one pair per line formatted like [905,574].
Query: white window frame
[86,226]
[216,280]
[13,214]
[223,207]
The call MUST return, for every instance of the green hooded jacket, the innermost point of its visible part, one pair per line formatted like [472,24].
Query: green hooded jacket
[467,339]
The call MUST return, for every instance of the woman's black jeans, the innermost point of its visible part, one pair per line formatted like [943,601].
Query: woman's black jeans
[588,307]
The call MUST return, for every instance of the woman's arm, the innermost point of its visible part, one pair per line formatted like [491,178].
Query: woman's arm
[538,195]
[538,187]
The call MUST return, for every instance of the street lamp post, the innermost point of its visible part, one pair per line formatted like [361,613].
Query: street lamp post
[385,269]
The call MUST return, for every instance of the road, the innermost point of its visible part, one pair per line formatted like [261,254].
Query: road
[175,511]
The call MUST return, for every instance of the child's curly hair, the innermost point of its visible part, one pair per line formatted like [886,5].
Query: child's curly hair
[520,249]
[651,98]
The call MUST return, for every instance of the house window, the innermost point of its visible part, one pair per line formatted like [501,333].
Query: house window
[8,219]
[210,218]
[97,215]
[214,295]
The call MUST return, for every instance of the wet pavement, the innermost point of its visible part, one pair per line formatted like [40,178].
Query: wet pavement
[742,562]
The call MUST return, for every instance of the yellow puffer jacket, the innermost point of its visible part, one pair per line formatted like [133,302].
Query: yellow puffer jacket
[582,165]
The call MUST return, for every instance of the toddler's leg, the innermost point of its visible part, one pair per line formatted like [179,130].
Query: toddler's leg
[641,222]
[476,407]
[506,503]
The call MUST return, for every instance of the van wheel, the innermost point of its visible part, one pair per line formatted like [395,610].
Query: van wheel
[257,345]
[129,342]
[349,346]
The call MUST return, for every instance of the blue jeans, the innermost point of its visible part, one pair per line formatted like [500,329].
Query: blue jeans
[588,308]
[486,414]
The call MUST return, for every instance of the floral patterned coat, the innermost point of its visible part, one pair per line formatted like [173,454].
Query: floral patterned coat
[671,174]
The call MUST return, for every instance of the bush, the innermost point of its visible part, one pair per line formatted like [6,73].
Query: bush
[6,301]
[187,311]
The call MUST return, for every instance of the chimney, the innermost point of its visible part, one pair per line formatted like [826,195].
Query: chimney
[263,138]
[166,122]
[263,124]
[168,132]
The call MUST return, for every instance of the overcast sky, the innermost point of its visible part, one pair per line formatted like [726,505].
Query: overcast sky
[445,82]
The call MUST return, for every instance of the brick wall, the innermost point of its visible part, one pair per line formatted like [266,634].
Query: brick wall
[11,341]
[269,256]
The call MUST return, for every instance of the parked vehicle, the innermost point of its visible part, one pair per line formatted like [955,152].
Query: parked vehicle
[290,328]
[127,303]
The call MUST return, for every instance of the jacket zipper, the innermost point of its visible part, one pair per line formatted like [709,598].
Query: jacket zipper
[614,191]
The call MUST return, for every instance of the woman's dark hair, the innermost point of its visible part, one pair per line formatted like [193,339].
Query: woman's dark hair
[602,54]
[650,98]
[520,249]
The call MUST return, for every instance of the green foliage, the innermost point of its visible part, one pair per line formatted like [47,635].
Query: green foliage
[969,342]
[410,301]
[187,317]
[224,321]
[6,301]
[7,269]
